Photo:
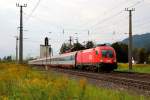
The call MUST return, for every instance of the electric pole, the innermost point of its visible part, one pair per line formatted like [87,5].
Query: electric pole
[63,31]
[70,40]
[88,34]
[17,48]
[130,37]
[76,37]
[21,33]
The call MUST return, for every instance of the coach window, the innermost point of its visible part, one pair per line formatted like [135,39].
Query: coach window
[52,59]
[67,58]
[61,59]
[64,59]
[57,59]
[70,58]
[73,57]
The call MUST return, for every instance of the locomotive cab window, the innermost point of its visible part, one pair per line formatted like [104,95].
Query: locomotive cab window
[107,53]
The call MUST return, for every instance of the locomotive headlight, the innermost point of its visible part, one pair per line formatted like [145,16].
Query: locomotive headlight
[101,60]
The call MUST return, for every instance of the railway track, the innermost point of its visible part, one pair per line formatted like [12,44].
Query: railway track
[133,75]
[136,81]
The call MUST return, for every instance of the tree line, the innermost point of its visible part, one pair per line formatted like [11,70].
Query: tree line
[67,47]
[6,58]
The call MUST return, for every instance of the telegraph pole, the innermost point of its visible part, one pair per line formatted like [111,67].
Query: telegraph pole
[63,31]
[88,34]
[130,37]
[17,49]
[70,40]
[16,37]
[76,37]
[21,33]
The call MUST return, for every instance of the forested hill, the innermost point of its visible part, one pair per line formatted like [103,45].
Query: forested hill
[140,41]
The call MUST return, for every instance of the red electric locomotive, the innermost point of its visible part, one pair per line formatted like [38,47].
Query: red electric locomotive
[99,58]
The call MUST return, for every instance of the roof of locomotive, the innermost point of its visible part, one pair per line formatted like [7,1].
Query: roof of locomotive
[98,47]
[104,47]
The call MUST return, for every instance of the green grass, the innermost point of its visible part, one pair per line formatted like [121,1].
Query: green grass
[19,82]
[141,68]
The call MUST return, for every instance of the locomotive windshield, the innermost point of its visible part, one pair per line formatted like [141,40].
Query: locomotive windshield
[107,53]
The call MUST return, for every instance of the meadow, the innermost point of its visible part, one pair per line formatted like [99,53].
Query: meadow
[141,68]
[21,82]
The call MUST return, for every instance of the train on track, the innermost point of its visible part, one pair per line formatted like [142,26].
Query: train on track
[100,58]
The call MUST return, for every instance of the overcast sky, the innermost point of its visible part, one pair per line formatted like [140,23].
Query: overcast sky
[106,20]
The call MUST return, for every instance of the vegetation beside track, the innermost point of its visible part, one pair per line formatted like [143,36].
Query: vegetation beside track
[23,83]
[141,68]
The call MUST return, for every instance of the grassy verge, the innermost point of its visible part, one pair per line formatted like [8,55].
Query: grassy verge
[141,68]
[19,82]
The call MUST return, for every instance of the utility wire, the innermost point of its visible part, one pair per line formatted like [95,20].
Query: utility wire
[137,3]
[109,18]
[142,24]
[33,10]
[106,19]
[110,10]
[114,15]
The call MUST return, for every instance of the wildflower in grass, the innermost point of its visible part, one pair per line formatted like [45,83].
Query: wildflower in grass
[65,80]
[4,98]
[82,84]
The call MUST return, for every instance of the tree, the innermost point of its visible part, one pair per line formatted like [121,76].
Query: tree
[77,46]
[148,56]
[4,58]
[142,55]
[148,59]
[9,58]
[121,51]
[135,54]
[89,44]
[64,48]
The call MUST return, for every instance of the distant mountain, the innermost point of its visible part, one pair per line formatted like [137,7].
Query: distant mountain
[140,41]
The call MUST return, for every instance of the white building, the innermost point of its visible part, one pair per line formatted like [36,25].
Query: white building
[45,51]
